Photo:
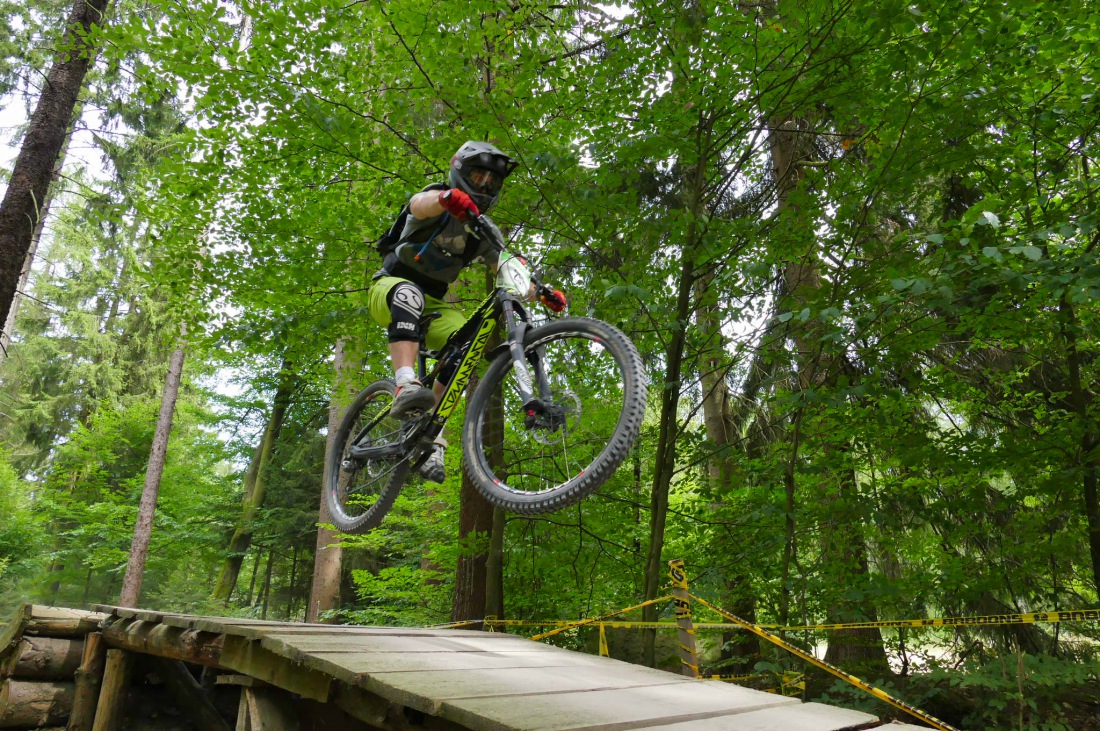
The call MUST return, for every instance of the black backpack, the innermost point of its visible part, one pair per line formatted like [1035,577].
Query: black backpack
[388,241]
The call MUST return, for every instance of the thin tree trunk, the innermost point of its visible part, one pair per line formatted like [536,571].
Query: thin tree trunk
[255,487]
[743,648]
[266,590]
[28,187]
[1080,399]
[139,548]
[290,586]
[475,520]
[258,556]
[666,452]
[324,594]
[494,568]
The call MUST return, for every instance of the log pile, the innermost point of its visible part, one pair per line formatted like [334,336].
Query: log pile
[49,665]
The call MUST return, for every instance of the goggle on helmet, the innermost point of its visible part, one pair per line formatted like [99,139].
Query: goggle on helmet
[479,169]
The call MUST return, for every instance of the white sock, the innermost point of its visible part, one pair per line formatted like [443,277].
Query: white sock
[404,374]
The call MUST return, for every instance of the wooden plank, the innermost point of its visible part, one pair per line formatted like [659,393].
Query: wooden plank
[803,717]
[112,697]
[250,658]
[244,681]
[242,714]
[426,691]
[362,704]
[366,664]
[89,678]
[402,644]
[269,710]
[608,710]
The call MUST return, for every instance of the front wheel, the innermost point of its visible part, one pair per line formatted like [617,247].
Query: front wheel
[359,491]
[593,401]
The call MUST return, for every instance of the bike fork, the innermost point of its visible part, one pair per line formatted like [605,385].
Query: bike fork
[522,374]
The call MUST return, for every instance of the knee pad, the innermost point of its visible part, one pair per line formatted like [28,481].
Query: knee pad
[406,308]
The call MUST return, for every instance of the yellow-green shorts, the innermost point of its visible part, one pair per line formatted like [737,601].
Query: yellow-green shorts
[450,317]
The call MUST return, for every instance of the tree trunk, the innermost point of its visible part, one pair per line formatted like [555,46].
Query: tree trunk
[28,261]
[139,548]
[666,451]
[290,586]
[28,187]
[255,488]
[1081,401]
[324,594]
[494,568]
[475,518]
[843,547]
[475,527]
[266,590]
[743,648]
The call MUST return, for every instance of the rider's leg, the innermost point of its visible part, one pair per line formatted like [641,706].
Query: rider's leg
[449,319]
[399,304]
[440,330]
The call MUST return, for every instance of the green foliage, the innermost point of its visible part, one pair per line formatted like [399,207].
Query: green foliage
[904,317]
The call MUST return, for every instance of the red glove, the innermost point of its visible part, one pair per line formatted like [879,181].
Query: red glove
[457,203]
[555,300]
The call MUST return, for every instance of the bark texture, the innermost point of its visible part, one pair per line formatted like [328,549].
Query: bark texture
[23,206]
[143,529]
[324,593]
[255,488]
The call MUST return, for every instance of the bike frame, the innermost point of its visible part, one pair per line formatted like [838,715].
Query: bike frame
[500,305]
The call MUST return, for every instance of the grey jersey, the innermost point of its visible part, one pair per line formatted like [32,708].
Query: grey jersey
[443,258]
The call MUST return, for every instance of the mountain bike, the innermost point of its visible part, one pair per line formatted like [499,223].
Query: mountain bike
[551,419]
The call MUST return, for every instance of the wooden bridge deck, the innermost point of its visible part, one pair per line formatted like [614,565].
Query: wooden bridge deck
[402,678]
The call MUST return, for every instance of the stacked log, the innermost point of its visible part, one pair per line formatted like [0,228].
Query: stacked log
[41,656]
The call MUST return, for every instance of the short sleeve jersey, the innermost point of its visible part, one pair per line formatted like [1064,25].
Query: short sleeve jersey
[433,251]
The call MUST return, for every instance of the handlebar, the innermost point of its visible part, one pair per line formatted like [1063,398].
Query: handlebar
[552,298]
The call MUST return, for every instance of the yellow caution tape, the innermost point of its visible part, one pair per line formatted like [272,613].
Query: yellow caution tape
[594,620]
[989,620]
[876,692]
[1087,615]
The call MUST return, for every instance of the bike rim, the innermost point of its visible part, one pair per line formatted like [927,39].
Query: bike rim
[588,386]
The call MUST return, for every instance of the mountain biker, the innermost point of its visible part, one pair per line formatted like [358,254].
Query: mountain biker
[430,252]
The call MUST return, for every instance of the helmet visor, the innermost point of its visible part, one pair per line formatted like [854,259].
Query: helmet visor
[484,180]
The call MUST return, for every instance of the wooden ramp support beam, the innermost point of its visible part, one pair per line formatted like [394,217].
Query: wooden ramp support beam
[112,697]
[89,678]
[175,643]
[265,709]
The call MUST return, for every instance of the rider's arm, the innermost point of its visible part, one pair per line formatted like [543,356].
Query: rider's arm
[426,205]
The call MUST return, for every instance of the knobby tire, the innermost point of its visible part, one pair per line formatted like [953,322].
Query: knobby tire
[577,336]
[391,473]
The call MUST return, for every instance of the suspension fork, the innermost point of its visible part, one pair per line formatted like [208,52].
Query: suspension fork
[517,328]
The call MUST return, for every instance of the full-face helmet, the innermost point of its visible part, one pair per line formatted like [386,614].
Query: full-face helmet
[480,169]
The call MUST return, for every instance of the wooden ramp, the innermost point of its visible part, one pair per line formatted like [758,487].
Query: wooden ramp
[287,675]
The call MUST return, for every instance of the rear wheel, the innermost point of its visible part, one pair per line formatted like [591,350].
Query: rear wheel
[535,463]
[360,491]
